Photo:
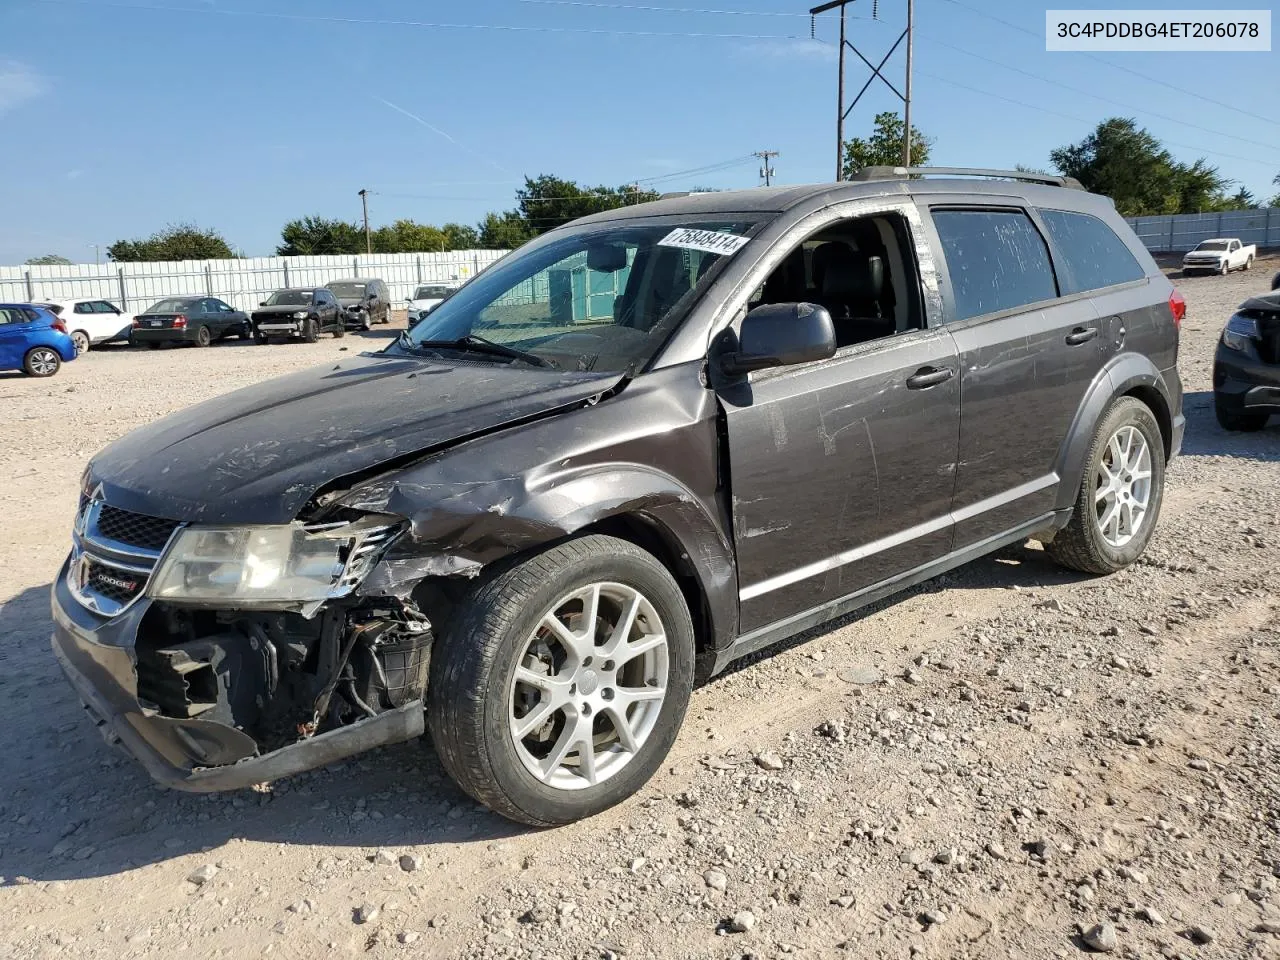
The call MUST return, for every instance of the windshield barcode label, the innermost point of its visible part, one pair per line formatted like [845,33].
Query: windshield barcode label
[711,241]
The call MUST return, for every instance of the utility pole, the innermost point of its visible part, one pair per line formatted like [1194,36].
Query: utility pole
[364,201]
[876,73]
[766,171]
[906,100]
[97,258]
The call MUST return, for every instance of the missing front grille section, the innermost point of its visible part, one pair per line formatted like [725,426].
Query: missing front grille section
[176,684]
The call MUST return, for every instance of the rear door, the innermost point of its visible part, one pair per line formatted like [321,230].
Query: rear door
[1027,356]
[14,327]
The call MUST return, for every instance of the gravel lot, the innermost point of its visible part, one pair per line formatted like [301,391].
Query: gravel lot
[1009,761]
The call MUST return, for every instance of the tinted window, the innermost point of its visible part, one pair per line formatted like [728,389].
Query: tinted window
[12,315]
[997,260]
[1094,256]
[84,308]
[172,306]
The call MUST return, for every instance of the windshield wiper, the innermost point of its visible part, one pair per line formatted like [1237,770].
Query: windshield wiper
[474,344]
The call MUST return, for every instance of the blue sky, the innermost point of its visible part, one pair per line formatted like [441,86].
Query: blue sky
[125,115]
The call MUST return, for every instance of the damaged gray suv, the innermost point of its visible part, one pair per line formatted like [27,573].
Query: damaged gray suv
[643,445]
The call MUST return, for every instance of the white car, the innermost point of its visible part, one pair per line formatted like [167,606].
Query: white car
[429,296]
[1220,255]
[91,322]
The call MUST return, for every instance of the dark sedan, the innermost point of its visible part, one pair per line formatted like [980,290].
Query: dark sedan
[304,312]
[198,320]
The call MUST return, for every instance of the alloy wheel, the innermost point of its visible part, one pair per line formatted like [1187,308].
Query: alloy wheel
[43,361]
[589,686]
[1122,491]
[81,341]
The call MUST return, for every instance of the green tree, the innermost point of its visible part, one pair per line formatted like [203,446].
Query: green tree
[1128,164]
[504,231]
[547,202]
[459,236]
[319,236]
[48,259]
[407,236]
[884,147]
[183,241]
[1275,201]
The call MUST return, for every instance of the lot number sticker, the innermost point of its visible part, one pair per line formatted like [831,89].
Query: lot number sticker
[710,241]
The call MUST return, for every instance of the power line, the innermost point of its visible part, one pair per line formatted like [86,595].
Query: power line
[595,4]
[766,171]
[1137,73]
[436,25]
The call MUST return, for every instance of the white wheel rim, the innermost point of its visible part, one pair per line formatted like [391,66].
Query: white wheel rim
[44,362]
[589,686]
[81,341]
[1122,486]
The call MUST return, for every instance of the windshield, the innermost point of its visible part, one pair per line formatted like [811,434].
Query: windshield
[432,293]
[603,298]
[347,289]
[290,297]
[170,306]
[1213,245]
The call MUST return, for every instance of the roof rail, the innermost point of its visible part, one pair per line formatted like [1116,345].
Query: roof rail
[899,173]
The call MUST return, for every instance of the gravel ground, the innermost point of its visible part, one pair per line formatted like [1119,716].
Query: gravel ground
[1011,760]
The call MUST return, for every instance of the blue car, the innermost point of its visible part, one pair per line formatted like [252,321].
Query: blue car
[33,340]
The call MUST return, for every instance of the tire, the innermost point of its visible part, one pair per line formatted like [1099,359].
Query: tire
[1238,421]
[339,331]
[474,695]
[41,362]
[246,332]
[260,339]
[81,341]
[309,334]
[1082,545]
[203,336]
[1248,263]
[1225,268]
[154,345]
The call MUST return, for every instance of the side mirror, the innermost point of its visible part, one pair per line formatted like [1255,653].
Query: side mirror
[262,303]
[780,335]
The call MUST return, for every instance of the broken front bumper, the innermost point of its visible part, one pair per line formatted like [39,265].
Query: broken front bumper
[190,754]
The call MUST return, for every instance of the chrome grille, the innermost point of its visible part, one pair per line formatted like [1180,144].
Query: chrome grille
[113,554]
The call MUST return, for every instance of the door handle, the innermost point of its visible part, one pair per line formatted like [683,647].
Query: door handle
[927,377]
[1081,335]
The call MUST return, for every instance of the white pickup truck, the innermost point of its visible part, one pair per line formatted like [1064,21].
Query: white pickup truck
[1219,256]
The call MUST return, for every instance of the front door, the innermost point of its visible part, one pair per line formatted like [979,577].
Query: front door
[841,471]
[15,325]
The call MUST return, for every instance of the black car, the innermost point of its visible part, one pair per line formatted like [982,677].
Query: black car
[304,312]
[366,301]
[195,320]
[532,523]
[1246,366]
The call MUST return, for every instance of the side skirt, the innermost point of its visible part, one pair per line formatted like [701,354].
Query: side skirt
[797,623]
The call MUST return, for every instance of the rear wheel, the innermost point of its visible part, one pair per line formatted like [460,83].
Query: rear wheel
[41,362]
[203,336]
[1238,421]
[1248,264]
[309,330]
[81,341]
[1120,494]
[561,684]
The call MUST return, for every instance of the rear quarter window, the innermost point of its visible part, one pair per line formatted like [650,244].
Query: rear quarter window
[1092,254]
[996,259]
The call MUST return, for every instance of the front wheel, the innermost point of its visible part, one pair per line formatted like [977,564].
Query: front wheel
[41,362]
[339,331]
[561,684]
[1120,495]
[309,334]
[1225,268]
[246,331]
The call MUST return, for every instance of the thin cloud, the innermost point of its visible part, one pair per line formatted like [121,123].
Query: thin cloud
[797,49]
[74,174]
[18,85]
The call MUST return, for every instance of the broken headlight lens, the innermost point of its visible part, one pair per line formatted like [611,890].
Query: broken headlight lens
[1240,331]
[264,564]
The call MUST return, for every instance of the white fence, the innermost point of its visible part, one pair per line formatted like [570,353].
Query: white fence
[241,283]
[1183,231]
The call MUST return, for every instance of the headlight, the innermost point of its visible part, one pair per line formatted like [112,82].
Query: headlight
[300,315]
[269,564]
[1239,332]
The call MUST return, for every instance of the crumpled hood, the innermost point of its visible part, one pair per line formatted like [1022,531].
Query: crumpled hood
[257,455]
[1267,302]
[281,309]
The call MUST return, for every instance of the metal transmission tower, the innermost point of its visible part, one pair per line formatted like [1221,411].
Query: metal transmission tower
[841,111]
[766,171]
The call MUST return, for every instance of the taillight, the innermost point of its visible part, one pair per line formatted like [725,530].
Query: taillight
[179,321]
[137,323]
[1177,307]
[60,325]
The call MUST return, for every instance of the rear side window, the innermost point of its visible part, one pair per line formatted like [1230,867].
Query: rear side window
[996,258]
[1093,256]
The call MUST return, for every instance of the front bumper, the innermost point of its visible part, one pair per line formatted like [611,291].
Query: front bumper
[1212,266]
[1245,383]
[189,754]
[279,328]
